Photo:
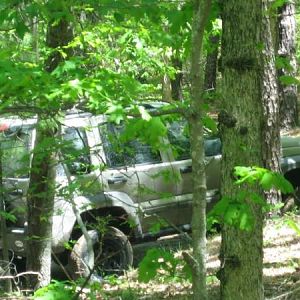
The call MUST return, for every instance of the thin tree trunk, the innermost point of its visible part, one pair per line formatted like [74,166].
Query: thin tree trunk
[210,80]
[172,88]
[176,83]
[40,202]
[271,129]
[3,232]
[287,50]
[240,124]
[198,260]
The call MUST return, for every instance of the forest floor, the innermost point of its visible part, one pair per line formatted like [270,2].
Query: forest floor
[281,269]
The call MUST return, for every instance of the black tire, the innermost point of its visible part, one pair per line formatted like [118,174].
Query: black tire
[115,257]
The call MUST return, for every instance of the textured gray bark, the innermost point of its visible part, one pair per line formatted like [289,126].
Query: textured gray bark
[270,97]
[287,49]
[198,259]
[240,124]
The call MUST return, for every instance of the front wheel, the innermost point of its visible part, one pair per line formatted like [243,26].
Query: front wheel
[112,254]
[291,201]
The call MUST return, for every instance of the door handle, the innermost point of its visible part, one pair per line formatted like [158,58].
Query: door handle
[117,180]
[185,170]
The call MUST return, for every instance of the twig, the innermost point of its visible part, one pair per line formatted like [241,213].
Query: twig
[285,294]
[21,274]
[62,267]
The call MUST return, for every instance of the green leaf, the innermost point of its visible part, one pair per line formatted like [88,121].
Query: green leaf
[288,80]
[155,259]
[118,17]
[55,291]
[8,216]
[21,29]
[292,224]
[258,199]
[210,123]
[278,3]
[267,181]
[116,113]
[246,220]
[283,63]
[232,214]
[147,269]
[220,207]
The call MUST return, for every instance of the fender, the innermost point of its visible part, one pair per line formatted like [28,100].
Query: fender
[64,218]
[290,163]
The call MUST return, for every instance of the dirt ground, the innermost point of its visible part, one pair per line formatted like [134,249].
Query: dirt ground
[281,264]
[281,268]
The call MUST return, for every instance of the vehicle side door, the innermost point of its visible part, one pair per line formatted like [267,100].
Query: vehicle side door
[144,174]
[179,139]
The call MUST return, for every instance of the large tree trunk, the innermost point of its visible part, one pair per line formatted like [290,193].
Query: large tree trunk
[198,259]
[241,123]
[40,200]
[287,49]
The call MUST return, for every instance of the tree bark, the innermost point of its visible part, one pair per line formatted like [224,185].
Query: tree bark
[287,49]
[198,261]
[241,124]
[176,83]
[3,231]
[210,80]
[40,200]
[270,98]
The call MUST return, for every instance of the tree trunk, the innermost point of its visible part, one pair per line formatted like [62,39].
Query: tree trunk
[40,202]
[176,83]
[42,176]
[287,50]
[198,260]
[271,128]
[240,124]
[3,231]
[210,80]
[172,88]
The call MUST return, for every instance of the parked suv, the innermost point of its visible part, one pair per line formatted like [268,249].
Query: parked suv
[137,191]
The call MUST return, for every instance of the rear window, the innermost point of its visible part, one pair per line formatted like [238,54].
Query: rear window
[76,150]
[120,153]
[15,147]
[178,135]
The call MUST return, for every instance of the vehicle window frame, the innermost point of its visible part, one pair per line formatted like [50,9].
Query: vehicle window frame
[85,165]
[27,152]
[121,165]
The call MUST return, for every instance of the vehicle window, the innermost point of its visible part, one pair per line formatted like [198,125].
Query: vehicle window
[178,135]
[15,146]
[119,153]
[76,150]
[179,139]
